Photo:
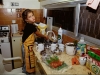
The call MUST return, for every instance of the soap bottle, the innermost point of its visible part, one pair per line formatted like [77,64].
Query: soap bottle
[59,38]
[81,47]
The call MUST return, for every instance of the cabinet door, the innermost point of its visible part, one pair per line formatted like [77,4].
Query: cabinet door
[16,48]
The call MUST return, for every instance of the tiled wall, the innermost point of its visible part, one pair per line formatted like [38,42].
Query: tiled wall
[7,15]
[90,22]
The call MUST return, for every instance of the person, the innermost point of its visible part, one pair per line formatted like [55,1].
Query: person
[28,38]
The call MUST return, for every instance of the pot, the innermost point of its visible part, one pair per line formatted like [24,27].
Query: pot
[70,48]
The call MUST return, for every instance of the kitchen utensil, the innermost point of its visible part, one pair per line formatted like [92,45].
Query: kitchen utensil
[52,38]
[61,47]
[82,60]
[53,47]
[70,48]
[53,59]
[40,47]
[42,27]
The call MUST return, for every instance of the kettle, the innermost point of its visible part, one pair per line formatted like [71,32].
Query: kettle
[42,27]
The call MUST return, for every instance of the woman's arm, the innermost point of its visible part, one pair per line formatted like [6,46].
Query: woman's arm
[38,33]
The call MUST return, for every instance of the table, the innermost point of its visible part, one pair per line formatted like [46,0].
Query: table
[73,69]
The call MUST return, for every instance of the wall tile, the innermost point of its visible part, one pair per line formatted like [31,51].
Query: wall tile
[7,15]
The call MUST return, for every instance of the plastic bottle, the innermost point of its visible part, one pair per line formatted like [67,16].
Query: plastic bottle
[60,35]
[81,47]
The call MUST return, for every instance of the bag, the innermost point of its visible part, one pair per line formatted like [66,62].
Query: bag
[93,3]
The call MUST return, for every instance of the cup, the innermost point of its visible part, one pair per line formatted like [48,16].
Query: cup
[53,47]
[40,47]
[70,49]
[61,47]
[82,60]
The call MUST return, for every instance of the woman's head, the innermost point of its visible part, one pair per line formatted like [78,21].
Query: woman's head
[28,16]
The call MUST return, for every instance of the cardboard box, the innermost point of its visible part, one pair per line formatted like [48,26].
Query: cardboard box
[93,65]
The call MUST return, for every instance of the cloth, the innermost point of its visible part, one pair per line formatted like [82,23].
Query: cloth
[28,30]
[93,3]
[27,49]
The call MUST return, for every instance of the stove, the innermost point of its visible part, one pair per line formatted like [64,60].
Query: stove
[4,33]
[5,48]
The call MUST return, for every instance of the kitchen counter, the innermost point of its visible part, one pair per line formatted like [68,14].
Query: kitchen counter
[17,35]
[73,69]
[16,39]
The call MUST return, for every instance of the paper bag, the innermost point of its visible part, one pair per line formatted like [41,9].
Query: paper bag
[93,3]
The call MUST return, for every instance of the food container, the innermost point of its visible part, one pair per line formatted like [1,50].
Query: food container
[54,63]
[93,65]
[94,55]
[70,48]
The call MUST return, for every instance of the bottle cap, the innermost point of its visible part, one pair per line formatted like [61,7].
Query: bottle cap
[82,40]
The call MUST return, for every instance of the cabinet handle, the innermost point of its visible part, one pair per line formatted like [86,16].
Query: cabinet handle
[14,40]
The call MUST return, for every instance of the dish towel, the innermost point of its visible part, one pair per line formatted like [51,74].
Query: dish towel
[93,3]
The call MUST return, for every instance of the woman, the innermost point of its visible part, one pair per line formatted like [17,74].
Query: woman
[28,39]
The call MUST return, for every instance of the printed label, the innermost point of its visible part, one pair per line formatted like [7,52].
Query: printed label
[31,56]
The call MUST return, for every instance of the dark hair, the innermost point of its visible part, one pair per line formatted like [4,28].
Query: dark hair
[25,13]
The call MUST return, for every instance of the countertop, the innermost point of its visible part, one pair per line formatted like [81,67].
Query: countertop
[73,69]
[16,35]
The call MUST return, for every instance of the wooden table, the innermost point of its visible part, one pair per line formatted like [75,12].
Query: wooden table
[73,69]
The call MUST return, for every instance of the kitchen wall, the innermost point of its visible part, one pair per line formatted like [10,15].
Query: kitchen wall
[7,15]
[32,4]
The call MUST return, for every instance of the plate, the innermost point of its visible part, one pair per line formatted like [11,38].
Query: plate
[54,62]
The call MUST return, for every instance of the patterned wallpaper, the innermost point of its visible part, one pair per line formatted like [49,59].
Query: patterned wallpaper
[90,22]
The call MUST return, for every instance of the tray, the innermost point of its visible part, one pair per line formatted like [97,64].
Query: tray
[54,62]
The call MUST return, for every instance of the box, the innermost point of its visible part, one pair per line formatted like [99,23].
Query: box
[93,65]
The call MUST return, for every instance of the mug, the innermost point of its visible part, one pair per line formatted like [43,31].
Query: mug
[61,47]
[40,47]
[82,60]
[53,47]
[70,50]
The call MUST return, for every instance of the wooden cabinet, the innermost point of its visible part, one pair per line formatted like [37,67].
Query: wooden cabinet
[16,50]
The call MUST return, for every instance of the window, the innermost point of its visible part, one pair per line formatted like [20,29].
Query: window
[1,2]
[63,17]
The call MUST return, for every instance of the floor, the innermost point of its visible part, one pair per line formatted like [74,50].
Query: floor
[39,69]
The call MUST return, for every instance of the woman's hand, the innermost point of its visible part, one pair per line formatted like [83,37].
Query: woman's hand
[41,35]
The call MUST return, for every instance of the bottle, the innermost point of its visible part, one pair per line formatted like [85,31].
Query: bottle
[81,47]
[59,36]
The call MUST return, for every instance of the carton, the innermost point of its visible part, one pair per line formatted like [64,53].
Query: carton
[93,65]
